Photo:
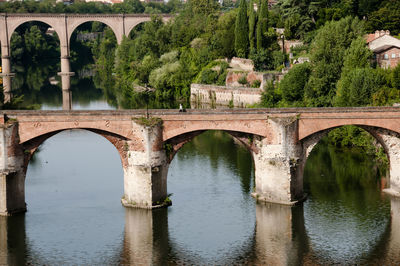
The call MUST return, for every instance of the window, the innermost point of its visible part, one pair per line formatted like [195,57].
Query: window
[393,55]
[386,56]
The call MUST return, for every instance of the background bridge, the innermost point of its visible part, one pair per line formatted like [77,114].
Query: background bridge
[64,25]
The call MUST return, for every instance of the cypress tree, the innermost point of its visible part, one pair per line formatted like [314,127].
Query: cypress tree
[252,26]
[241,31]
[262,25]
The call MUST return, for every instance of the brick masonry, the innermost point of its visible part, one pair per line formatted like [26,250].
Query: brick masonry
[278,139]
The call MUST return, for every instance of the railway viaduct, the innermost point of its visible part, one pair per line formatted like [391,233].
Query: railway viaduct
[64,25]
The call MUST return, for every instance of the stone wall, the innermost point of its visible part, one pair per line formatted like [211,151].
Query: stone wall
[221,95]
[232,78]
[241,63]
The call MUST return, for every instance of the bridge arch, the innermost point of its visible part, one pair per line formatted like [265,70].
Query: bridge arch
[174,144]
[78,21]
[388,139]
[377,132]
[14,24]
[30,146]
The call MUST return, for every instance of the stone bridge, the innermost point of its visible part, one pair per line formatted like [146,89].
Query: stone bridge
[64,25]
[279,140]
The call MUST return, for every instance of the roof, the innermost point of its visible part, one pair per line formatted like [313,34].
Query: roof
[383,43]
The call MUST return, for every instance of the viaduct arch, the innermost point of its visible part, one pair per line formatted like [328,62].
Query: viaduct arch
[64,25]
[279,140]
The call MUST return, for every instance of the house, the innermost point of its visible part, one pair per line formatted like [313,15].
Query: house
[386,48]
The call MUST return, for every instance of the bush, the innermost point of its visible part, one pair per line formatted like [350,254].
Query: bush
[208,76]
[243,80]
[262,60]
[256,84]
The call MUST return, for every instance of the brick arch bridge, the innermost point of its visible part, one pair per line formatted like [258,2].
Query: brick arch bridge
[279,140]
[64,25]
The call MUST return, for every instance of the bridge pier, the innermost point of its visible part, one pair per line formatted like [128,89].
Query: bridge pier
[66,78]
[6,76]
[12,170]
[145,174]
[278,175]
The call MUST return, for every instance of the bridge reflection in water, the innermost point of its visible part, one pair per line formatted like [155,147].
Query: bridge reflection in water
[279,238]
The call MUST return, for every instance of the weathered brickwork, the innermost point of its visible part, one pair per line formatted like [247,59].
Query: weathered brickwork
[279,140]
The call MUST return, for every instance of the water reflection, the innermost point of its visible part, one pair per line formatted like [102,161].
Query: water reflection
[280,235]
[212,217]
[346,215]
[12,240]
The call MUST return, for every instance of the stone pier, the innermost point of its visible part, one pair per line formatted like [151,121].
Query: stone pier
[12,171]
[276,162]
[66,75]
[145,174]
[6,74]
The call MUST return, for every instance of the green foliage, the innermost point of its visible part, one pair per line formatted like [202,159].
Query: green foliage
[271,96]
[52,6]
[203,7]
[356,87]
[148,122]
[396,77]
[252,26]
[256,84]
[358,55]
[294,82]
[386,96]
[385,18]
[352,136]
[222,41]
[328,51]
[262,26]
[243,80]
[358,81]
[241,31]
[213,73]
[262,59]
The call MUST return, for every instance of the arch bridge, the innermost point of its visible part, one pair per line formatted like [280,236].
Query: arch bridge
[64,25]
[279,140]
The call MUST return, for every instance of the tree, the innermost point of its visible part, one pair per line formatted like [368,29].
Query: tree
[262,25]
[292,85]
[241,31]
[357,87]
[252,26]
[358,55]
[203,7]
[328,51]
[396,77]
[223,40]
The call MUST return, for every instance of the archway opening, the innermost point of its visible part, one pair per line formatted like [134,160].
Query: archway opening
[346,215]
[212,214]
[73,191]
[35,59]
[93,46]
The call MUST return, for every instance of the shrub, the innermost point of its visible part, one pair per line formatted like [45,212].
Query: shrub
[243,80]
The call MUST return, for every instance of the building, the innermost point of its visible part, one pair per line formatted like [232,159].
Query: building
[386,48]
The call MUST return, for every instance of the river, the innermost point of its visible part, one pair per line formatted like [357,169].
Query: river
[75,182]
